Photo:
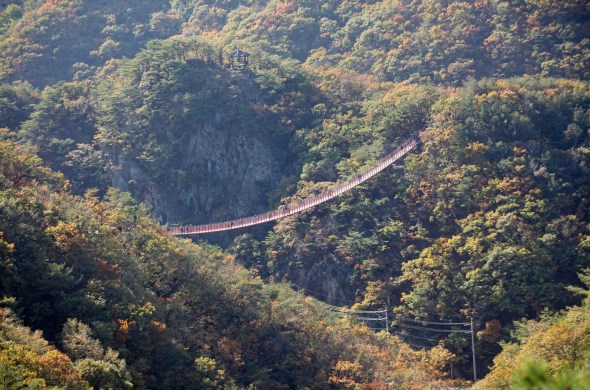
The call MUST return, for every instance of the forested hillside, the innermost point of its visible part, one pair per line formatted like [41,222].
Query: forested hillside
[551,352]
[139,108]
[143,310]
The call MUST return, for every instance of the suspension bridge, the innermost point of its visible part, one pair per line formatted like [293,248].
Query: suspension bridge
[407,328]
[417,333]
[297,207]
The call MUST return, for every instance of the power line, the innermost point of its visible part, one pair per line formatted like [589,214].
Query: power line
[295,295]
[469,331]
[365,311]
[331,307]
[371,319]
[473,350]
[349,311]
[416,337]
[434,323]
[415,345]
[434,330]
[324,295]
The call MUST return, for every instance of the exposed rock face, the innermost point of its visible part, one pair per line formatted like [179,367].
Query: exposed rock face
[326,281]
[220,173]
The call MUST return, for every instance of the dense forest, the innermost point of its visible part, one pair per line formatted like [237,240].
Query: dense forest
[118,119]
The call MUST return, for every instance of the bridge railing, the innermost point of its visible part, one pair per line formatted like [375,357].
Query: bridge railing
[301,205]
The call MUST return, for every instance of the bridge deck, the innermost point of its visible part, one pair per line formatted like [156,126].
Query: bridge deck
[300,206]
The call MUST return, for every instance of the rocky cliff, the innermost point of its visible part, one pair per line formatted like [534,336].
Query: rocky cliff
[219,173]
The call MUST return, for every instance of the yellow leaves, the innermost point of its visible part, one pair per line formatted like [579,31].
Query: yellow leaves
[501,375]
[426,188]
[42,367]
[454,177]
[124,329]
[106,271]
[5,246]
[230,350]
[508,185]
[473,247]
[477,147]
[505,92]
[65,235]
[283,8]
[563,345]
[74,97]
[476,274]
[560,345]
[491,332]
[207,368]
[346,374]
[144,311]
[57,369]
[437,359]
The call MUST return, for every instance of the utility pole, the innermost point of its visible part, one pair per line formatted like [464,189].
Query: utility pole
[473,350]
[387,319]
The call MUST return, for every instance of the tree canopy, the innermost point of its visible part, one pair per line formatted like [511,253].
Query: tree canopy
[117,117]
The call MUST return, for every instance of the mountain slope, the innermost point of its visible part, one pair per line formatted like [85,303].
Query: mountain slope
[130,305]
[487,221]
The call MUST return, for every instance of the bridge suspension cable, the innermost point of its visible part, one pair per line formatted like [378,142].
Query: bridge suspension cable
[299,206]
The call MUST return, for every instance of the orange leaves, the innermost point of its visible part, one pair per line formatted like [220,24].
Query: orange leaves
[437,359]
[125,326]
[57,369]
[48,6]
[158,326]
[492,331]
[123,332]
[560,341]
[6,248]
[284,8]
[66,235]
[94,205]
[230,351]
[346,374]
[481,4]
[478,153]
[106,271]
[509,185]
[31,362]
[477,147]
[158,332]
[282,15]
